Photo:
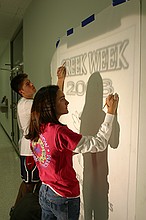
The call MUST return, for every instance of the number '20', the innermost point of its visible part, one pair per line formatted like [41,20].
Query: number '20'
[79,88]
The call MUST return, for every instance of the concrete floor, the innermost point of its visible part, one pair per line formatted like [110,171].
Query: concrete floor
[9,175]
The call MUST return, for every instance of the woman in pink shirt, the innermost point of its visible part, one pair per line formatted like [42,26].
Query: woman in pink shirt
[53,145]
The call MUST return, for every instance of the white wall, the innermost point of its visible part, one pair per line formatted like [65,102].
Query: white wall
[44,22]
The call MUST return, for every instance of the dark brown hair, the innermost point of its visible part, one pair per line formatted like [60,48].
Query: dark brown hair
[43,111]
[17,81]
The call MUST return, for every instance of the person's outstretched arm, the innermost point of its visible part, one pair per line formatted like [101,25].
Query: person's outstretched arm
[61,74]
[99,142]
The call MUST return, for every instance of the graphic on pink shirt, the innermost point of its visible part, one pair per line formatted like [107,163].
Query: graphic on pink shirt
[41,151]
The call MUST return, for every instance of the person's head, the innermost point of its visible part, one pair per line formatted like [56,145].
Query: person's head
[23,86]
[48,105]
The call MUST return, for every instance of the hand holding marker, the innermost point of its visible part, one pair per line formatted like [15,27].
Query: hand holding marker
[61,73]
[113,99]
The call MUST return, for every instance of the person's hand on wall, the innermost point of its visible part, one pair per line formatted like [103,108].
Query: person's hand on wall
[61,74]
[112,103]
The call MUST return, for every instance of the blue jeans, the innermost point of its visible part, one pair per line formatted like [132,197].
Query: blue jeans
[55,207]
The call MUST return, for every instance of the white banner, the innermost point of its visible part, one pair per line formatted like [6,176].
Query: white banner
[102,58]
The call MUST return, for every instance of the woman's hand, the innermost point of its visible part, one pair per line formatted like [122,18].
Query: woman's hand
[112,103]
[61,72]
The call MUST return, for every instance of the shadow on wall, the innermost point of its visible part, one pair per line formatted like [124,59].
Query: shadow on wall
[95,183]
